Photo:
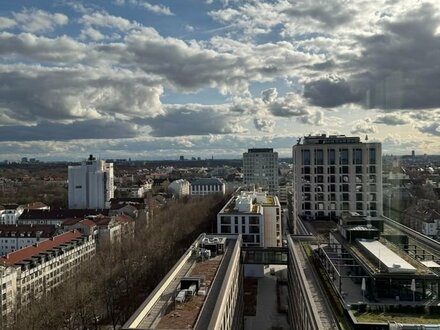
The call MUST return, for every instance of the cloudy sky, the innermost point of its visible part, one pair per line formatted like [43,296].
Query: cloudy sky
[157,79]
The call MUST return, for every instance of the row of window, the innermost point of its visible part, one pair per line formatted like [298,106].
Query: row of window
[337,156]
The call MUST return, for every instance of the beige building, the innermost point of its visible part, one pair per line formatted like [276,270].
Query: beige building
[260,167]
[8,293]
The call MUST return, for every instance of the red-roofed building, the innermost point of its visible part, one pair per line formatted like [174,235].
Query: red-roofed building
[43,266]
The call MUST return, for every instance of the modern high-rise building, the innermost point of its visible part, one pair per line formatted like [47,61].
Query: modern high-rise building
[91,184]
[260,167]
[336,174]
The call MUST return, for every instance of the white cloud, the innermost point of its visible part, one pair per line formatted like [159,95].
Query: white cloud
[6,23]
[39,21]
[157,9]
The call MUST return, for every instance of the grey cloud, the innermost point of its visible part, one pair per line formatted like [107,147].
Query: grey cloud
[60,49]
[33,93]
[269,95]
[392,120]
[330,92]
[264,124]
[314,118]
[401,62]
[89,129]
[363,127]
[431,129]
[193,120]
[329,14]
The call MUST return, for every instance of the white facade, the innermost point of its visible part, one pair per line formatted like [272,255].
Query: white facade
[337,174]
[179,187]
[8,293]
[11,244]
[9,215]
[254,215]
[51,267]
[202,187]
[260,167]
[91,185]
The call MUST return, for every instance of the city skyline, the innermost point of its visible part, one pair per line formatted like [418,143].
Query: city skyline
[159,79]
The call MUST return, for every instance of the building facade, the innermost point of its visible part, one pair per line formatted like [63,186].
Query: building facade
[337,174]
[10,214]
[16,237]
[260,167]
[8,294]
[207,186]
[91,184]
[43,266]
[179,188]
[254,215]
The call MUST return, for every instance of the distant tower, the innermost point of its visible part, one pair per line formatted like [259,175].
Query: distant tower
[413,154]
[91,184]
[260,167]
[181,158]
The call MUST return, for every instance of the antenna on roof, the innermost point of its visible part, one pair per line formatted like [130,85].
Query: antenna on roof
[366,137]
[298,141]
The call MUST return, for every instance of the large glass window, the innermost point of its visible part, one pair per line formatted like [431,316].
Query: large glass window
[372,155]
[357,156]
[331,156]
[306,157]
[319,157]
[343,156]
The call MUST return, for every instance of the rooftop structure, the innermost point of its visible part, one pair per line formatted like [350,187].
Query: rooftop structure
[255,215]
[199,292]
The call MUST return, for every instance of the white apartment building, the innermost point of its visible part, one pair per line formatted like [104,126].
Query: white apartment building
[207,186]
[15,237]
[10,213]
[179,188]
[8,294]
[254,215]
[337,174]
[91,184]
[43,266]
[260,167]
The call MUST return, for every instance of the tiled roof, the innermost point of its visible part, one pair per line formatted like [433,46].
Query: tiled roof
[27,230]
[27,252]
[207,181]
[60,213]
[34,205]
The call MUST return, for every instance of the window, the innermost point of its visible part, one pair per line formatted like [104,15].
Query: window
[254,220]
[357,156]
[225,220]
[331,156]
[306,157]
[372,156]
[319,157]
[343,156]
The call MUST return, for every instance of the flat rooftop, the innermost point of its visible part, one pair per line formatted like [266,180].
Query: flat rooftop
[159,310]
[388,258]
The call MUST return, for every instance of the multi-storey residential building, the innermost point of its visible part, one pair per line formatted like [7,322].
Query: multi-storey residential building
[57,216]
[43,266]
[336,174]
[260,167]
[8,294]
[179,188]
[204,289]
[15,237]
[91,184]
[254,215]
[207,186]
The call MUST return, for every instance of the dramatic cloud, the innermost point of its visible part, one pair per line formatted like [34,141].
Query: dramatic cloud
[363,127]
[330,92]
[392,119]
[89,129]
[33,93]
[194,120]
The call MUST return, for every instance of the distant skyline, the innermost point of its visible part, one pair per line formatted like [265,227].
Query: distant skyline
[159,79]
